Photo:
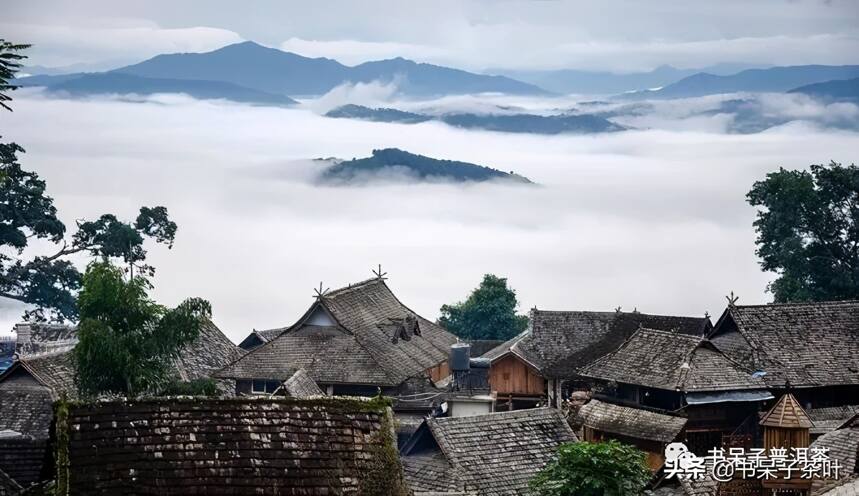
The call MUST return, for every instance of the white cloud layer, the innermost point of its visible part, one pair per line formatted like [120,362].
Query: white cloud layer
[650,219]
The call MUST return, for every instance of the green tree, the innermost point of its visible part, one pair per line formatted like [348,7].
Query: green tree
[127,342]
[593,469]
[49,283]
[488,313]
[807,232]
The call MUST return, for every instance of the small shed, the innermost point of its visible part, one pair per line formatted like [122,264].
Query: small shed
[787,426]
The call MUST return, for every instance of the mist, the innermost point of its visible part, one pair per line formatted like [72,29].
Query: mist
[653,219]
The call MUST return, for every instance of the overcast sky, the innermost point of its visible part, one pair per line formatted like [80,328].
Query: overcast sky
[480,34]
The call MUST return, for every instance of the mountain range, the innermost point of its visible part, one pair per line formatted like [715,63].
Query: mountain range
[773,79]
[393,163]
[507,123]
[572,81]
[845,90]
[254,67]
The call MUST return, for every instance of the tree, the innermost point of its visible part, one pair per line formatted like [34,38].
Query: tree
[488,313]
[807,232]
[127,342]
[50,283]
[593,469]
[10,63]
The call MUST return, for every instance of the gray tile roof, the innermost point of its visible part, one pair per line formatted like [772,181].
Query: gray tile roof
[630,422]
[498,453]
[23,458]
[431,473]
[36,338]
[808,344]
[671,361]
[230,446]
[843,445]
[827,419]
[211,351]
[559,343]
[27,411]
[366,346]
[847,485]
[55,371]
[300,385]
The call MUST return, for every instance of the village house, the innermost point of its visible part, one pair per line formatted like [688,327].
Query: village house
[496,454]
[230,446]
[648,430]
[31,385]
[540,366]
[675,372]
[810,349]
[353,341]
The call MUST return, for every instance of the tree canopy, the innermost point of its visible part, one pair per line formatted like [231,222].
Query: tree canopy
[49,282]
[127,342]
[488,313]
[807,232]
[593,469]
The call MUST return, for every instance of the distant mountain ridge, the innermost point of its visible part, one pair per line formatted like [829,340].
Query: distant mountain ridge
[506,123]
[271,70]
[568,81]
[124,84]
[844,90]
[774,79]
[393,163]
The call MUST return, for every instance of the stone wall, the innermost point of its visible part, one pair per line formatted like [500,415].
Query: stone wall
[231,446]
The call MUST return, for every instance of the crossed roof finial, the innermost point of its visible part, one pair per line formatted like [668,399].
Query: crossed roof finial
[378,273]
[732,300]
[320,293]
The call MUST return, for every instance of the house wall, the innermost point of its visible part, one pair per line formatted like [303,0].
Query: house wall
[512,376]
[654,451]
[439,372]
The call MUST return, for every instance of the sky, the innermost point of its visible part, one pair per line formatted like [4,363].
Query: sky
[615,35]
[653,219]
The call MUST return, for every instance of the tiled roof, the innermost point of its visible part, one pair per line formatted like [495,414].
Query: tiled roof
[559,343]
[431,473]
[36,338]
[55,371]
[671,361]
[498,453]
[367,345]
[630,422]
[232,446]
[300,385]
[23,458]
[788,414]
[211,351]
[808,344]
[847,485]
[827,419]
[28,411]
[843,445]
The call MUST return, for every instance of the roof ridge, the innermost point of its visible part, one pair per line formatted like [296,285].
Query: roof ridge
[352,286]
[515,413]
[670,333]
[800,303]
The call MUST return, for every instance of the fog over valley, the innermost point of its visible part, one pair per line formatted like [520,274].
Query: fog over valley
[653,218]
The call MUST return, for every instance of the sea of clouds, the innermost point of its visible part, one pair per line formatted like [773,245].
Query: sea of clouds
[653,219]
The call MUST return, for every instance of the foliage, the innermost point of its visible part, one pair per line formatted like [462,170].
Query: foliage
[396,161]
[488,313]
[197,387]
[10,63]
[127,341]
[807,232]
[49,283]
[593,469]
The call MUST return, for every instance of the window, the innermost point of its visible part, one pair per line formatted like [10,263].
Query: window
[262,386]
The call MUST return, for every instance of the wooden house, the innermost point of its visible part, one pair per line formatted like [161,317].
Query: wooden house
[496,454]
[810,349]
[681,373]
[352,341]
[786,427]
[540,366]
[648,430]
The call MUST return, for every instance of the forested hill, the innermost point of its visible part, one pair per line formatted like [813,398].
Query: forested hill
[393,163]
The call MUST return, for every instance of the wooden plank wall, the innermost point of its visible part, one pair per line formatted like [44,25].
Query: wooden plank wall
[511,376]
